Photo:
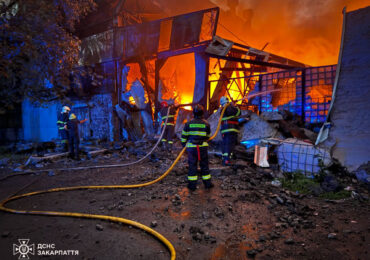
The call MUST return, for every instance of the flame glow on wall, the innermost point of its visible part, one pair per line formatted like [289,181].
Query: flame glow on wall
[236,83]
[178,78]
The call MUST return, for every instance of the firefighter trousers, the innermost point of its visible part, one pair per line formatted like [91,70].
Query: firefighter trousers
[195,155]
[229,141]
[74,146]
[64,139]
[167,138]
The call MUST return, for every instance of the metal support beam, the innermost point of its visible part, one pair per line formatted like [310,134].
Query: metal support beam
[170,53]
[303,90]
[254,62]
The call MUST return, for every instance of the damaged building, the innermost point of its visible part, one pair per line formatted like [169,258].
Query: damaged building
[296,185]
[179,59]
[130,62]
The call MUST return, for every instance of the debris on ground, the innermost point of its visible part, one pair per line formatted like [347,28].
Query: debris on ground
[250,212]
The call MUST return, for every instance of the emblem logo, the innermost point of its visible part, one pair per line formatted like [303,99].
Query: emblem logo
[23,249]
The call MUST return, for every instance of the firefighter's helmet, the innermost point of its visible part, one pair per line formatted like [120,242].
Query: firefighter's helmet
[198,111]
[72,116]
[164,104]
[224,100]
[66,109]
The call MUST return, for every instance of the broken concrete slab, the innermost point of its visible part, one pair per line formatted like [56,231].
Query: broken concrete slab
[271,116]
[258,128]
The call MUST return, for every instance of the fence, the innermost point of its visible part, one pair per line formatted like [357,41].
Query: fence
[304,92]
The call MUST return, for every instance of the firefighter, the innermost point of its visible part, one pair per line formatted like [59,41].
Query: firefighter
[229,130]
[167,138]
[195,136]
[74,137]
[61,123]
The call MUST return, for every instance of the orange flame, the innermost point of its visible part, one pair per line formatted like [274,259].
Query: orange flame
[308,31]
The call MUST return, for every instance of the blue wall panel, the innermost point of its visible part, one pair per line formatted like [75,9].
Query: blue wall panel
[39,123]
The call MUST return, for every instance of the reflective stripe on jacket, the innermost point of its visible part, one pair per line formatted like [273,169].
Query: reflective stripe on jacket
[196,132]
[62,120]
[171,115]
[230,120]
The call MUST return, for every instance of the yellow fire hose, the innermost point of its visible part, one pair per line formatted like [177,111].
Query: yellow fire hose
[104,217]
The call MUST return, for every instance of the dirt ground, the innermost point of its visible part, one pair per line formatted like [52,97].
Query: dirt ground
[242,217]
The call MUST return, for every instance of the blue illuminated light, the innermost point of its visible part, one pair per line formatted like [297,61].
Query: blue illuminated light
[250,143]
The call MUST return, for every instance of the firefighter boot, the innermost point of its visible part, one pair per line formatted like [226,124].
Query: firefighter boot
[192,185]
[208,184]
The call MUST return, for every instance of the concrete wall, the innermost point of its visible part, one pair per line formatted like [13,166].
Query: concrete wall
[99,113]
[350,115]
[39,123]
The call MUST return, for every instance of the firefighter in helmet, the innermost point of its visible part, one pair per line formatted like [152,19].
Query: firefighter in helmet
[167,138]
[63,118]
[195,136]
[73,136]
[229,130]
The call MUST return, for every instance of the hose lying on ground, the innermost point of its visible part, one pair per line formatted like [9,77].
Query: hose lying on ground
[104,217]
[98,166]
[135,162]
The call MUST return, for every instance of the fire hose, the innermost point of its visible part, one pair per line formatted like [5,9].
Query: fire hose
[104,166]
[141,159]
[104,217]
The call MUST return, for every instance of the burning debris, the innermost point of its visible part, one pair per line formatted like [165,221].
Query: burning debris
[276,107]
[182,61]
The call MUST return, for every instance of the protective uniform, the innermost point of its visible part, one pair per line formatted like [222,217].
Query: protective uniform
[167,139]
[229,130]
[195,136]
[62,121]
[74,138]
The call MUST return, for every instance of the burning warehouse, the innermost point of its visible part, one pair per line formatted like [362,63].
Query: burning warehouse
[179,59]
[281,139]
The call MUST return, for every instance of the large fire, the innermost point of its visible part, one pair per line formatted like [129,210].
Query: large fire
[178,78]
[307,31]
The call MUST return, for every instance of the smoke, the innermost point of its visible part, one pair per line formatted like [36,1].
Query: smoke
[304,30]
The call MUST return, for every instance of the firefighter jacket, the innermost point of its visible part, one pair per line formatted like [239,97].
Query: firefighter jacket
[230,120]
[62,120]
[171,115]
[196,133]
